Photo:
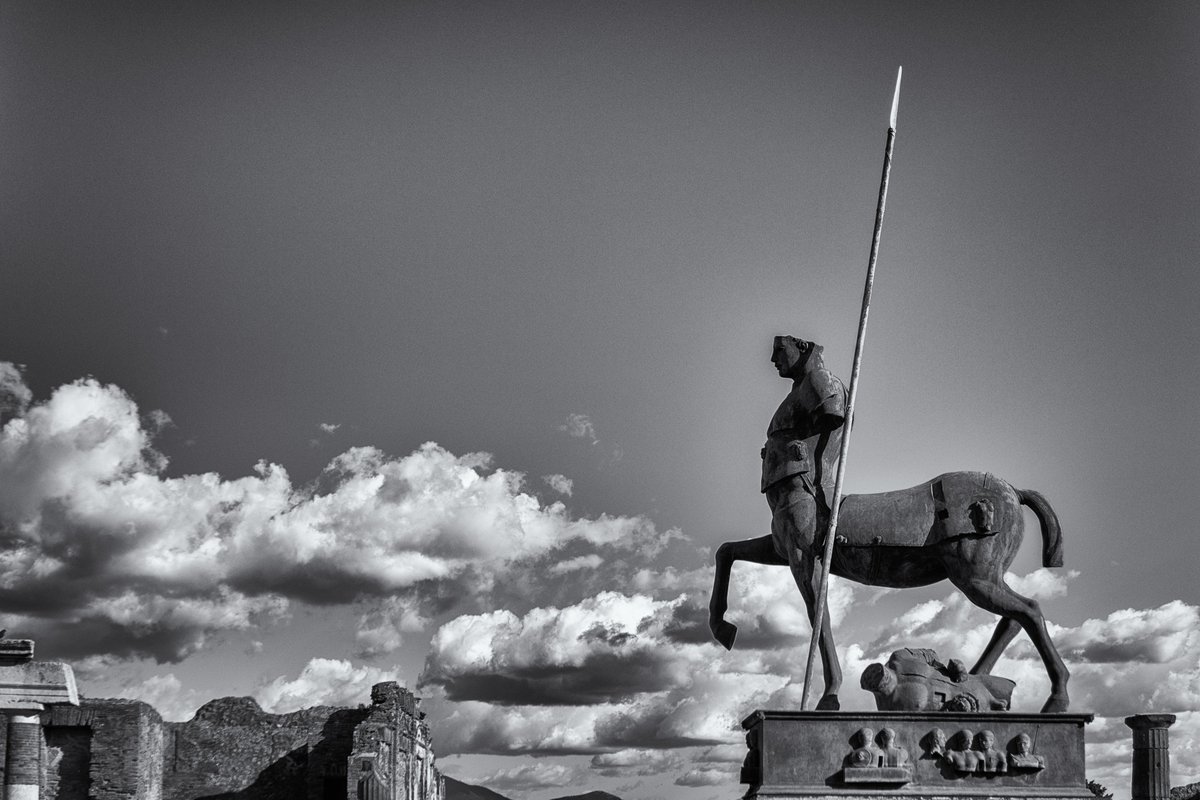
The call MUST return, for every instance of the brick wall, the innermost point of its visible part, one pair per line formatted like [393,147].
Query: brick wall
[122,742]
[68,757]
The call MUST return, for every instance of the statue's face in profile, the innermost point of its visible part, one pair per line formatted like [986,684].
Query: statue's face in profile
[786,354]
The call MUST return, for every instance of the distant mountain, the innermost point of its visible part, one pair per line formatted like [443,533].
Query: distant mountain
[457,790]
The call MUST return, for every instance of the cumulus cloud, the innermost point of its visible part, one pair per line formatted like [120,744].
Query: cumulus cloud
[329,427]
[560,483]
[703,712]
[1155,635]
[1042,583]
[322,682]
[104,553]
[600,675]
[602,649]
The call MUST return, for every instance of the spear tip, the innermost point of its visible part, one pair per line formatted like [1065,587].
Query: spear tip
[896,98]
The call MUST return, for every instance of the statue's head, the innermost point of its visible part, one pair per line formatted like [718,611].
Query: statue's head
[1024,744]
[791,355]
[984,740]
[863,737]
[887,737]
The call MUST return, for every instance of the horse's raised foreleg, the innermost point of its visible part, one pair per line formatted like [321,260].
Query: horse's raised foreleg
[757,551]
[806,581]
[996,596]
[1006,631]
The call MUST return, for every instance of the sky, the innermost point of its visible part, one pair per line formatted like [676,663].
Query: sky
[430,342]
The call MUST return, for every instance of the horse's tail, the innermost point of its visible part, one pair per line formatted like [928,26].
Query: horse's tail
[1052,547]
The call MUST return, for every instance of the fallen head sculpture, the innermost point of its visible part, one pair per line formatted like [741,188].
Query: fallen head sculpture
[965,527]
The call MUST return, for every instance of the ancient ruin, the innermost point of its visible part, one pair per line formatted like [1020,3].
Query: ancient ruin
[62,747]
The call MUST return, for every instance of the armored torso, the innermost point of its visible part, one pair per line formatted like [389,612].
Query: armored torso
[805,433]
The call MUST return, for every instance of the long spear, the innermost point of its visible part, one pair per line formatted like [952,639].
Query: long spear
[823,588]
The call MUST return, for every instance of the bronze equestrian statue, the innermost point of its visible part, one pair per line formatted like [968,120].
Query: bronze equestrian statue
[964,527]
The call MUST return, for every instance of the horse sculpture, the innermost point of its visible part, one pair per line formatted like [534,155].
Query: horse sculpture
[965,527]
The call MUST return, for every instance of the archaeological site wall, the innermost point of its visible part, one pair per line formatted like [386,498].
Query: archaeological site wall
[233,750]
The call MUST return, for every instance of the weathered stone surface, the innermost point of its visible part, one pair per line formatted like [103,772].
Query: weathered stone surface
[806,754]
[36,682]
[122,740]
[1151,756]
[233,749]
[915,680]
[392,755]
[15,651]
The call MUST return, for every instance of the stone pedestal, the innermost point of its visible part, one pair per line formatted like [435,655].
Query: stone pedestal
[1151,756]
[822,754]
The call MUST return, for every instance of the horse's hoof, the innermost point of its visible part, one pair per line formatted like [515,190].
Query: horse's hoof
[1057,704]
[724,632]
[829,703]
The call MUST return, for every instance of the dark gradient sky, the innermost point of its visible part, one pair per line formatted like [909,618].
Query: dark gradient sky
[463,222]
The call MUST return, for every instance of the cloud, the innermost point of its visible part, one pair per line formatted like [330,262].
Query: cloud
[322,682]
[539,775]
[590,561]
[167,695]
[1042,583]
[329,427]
[15,396]
[633,761]
[602,649]
[1156,635]
[600,675]
[707,776]
[580,426]
[103,553]
[560,483]
[704,712]
[381,630]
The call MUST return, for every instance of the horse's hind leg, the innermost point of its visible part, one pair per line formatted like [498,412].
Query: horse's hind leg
[1006,631]
[804,574]
[758,551]
[994,595]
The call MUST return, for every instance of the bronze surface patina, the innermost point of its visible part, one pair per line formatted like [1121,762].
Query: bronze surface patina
[965,527]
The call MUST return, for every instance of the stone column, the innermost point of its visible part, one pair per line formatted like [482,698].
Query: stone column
[1151,756]
[22,762]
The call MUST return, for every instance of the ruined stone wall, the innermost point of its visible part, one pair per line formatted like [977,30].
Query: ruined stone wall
[393,756]
[102,750]
[234,749]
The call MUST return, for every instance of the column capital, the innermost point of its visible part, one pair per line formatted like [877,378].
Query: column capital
[1141,722]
